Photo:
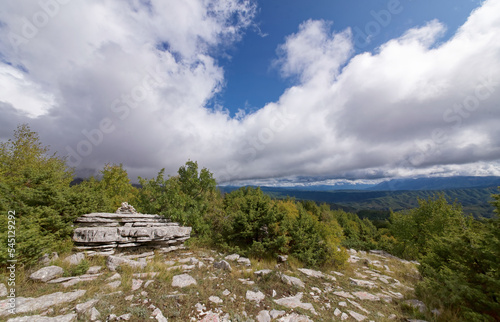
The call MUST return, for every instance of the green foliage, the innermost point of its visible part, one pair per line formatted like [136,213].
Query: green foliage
[461,271]
[77,270]
[35,186]
[116,186]
[253,222]
[414,230]
[359,233]
[191,198]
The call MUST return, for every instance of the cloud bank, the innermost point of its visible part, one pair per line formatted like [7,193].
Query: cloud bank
[129,82]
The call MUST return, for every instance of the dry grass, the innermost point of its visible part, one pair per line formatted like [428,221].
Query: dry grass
[180,304]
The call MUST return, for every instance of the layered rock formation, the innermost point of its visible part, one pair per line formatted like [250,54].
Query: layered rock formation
[104,232]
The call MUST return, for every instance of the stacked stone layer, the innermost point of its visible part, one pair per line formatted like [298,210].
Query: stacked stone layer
[104,232]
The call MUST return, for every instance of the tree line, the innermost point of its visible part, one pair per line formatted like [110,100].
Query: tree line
[459,256]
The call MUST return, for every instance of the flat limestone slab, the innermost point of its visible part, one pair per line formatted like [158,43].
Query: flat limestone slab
[28,304]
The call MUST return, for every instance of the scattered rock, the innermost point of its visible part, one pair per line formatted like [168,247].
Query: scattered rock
[416,304]
[263,272]
[94,314]
[337,312]
[28,304]
[233,257]
[358,306]
[244,261]
[136,284]
[263,316]
[75,259]
[290,280]
[357,316]
[115,284]
[116,276]
[362,283]
[344,294]
[344,316]
[282,258]
[223,265]
[255,296]
[183,280]
[159,315]
[343,304]
[3,290]
[392,317]
[93,269]
[294,317]
[40,318]
[46,259]
[294,302]
[366,296]
[47,273]
[246,281]
[112,262]
[124,317]
[276,313]
[85,307]
[215,299]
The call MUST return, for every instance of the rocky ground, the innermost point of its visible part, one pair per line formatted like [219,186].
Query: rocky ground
[203,285]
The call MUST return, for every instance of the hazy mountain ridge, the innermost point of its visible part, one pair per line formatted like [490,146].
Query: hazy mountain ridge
[473,193]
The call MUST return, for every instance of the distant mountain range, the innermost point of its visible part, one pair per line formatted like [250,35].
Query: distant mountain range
[437,183]
[473,193]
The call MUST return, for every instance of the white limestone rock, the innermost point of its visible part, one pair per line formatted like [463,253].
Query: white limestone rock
[362,283]
[47,273]
[263,316]
[112,262]
[290,280]
[215,299]
[223,265]
[255,296]
[85,307]
[75,259]
[183,280]
[366,296]
[358,317]
[29,304]
[233,257]
[94,314]
[294,302]
[40,318]
[3,290]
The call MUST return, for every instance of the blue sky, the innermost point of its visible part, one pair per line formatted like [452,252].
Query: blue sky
[266,92]
[251,79]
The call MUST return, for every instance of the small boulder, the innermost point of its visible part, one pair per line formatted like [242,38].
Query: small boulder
[233,257]
[215,299]
[47,273]
[223,265]
[183,280]
[93,269]
[94,314]
[282,258]
[85,307]
[255,296]
[263,316]
[244,261]
[3,290]
[112,262]
[290,280]
[75,259]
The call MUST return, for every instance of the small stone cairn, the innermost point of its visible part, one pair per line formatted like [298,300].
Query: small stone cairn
[103,233]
